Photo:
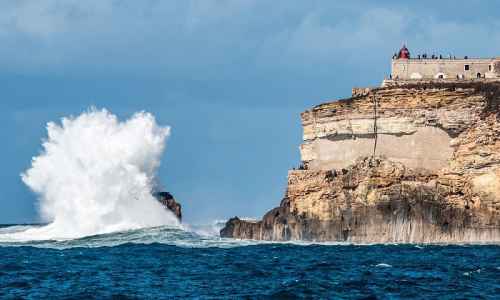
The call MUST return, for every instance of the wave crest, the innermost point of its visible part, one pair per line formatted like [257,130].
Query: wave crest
[95,176]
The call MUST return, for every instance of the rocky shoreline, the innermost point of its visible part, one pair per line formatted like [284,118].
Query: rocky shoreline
[416,163]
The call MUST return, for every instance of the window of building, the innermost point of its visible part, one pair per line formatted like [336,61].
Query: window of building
[489,68]
[466,67]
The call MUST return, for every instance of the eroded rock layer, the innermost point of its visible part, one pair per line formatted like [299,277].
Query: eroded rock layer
[396,164]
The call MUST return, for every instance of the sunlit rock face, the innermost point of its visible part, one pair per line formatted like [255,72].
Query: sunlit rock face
[425,147]
[397,164]
[414,127]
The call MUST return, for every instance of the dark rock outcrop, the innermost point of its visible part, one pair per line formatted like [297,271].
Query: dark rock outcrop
[167,200]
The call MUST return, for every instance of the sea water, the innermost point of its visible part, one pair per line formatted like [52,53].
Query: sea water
[170,262]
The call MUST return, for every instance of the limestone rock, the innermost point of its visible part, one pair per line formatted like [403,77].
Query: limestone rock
[396,164]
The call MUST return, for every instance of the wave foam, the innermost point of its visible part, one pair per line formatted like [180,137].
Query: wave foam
[95,176]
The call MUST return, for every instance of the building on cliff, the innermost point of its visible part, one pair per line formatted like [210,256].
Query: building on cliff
[424,67]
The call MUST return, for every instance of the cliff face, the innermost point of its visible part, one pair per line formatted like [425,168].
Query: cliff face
[397,164]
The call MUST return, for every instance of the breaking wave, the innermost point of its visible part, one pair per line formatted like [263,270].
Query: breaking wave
[95,176]
[168,235]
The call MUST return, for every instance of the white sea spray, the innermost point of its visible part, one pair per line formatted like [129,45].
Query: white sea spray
[95,176]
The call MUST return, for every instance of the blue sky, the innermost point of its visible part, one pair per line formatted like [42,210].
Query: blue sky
[229,77]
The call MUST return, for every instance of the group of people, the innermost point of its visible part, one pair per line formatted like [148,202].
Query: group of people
[433,56]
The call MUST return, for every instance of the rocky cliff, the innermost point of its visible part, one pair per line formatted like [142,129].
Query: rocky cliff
[410,163]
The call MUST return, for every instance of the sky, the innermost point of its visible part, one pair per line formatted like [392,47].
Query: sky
[229,77]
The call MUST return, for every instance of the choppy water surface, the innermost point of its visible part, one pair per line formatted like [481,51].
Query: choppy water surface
[169,262]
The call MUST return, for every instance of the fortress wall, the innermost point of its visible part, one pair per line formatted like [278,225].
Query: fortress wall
[450,68]
[405,82]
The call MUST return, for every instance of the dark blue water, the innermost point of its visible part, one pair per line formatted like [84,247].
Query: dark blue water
[262,271]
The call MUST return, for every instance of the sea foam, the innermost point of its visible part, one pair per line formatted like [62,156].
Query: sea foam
[95,175]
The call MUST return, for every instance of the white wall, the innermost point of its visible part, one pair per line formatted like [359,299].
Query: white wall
[448,68]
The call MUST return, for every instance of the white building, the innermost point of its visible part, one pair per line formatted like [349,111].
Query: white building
[422,67]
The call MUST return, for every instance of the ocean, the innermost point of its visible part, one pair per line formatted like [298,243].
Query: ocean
[170,262]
